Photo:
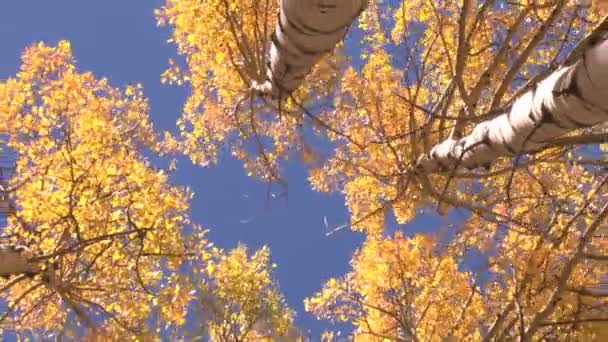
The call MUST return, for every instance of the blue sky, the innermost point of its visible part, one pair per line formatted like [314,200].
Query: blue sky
[118,39]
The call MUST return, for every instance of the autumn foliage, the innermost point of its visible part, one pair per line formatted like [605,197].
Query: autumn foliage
[118,256]
[108,228]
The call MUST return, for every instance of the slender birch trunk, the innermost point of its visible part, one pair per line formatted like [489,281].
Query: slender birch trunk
[305,31]
[572,97]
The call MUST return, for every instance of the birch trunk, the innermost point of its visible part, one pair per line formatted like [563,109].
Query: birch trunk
[305,31]
[572,97]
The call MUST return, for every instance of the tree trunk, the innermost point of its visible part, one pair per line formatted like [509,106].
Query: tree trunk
[305,31]
[572,97]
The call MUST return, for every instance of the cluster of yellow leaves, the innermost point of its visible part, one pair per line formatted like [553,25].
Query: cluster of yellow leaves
[450,63]
[415,96]
[538,207]
[371,148]
[222,40]
[86,200]
[224,44]
[115,233]
[379,121]
[401,289]
[428,70]
[241,301]
[412,289]
[88,203]
[546,280]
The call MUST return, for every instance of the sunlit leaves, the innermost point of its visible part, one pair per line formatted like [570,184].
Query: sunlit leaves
[110,227]
[401,288]
[115,236]
[240,301]
[224,44]
[89,206]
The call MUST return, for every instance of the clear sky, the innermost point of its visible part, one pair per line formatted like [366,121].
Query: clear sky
[118,39]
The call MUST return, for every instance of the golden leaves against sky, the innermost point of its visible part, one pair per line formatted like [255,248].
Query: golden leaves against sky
[92,208]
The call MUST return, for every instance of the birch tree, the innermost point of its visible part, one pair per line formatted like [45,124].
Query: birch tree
[228,67]
[96,239]
[305,31]
[530,288]
[493,108]
[97,220]
[570,98]
[425,108]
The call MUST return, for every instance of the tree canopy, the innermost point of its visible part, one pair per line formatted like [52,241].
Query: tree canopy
[494,109]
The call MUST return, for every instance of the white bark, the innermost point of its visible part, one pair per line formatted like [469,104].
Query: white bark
[572,97]
[305,31]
